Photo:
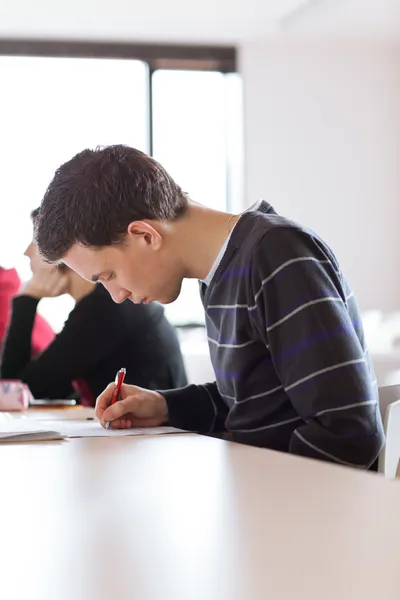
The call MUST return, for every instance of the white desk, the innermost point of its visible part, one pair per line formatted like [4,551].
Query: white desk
[191,518]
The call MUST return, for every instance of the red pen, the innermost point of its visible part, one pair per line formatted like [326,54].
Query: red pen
[119,380]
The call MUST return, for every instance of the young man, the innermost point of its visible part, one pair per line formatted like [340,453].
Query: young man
[285,336]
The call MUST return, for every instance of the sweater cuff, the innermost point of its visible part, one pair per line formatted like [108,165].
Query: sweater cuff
[190,408]
[26,304]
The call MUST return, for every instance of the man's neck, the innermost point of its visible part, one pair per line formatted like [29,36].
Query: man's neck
[199,237]
[79,288]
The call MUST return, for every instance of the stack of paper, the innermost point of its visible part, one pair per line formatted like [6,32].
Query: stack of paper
[19,430]
[26,430]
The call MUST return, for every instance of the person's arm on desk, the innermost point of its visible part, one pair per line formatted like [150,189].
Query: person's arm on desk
[17,352]
[86,338]
[197,408]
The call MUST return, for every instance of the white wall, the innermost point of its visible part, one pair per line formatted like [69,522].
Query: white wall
[322,129]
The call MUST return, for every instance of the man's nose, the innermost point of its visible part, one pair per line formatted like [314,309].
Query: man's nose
[118,294]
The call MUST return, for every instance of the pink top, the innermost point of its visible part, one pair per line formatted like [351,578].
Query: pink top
[42,334]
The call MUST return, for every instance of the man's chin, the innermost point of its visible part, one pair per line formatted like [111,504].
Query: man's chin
[167,299]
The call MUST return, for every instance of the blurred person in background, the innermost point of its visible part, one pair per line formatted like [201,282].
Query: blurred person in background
[42,333]
[98,338]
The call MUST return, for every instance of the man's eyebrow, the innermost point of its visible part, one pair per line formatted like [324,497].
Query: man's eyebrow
[95,278]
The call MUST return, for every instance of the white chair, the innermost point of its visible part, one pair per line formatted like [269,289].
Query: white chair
[389,404]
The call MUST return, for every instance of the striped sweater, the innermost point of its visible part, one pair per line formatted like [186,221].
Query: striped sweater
[287,346]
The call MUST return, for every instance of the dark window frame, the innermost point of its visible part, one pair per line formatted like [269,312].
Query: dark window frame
[158,56]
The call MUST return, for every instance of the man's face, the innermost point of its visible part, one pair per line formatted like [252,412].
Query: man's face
[138,269]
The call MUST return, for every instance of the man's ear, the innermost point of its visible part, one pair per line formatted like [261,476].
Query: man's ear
[144,230]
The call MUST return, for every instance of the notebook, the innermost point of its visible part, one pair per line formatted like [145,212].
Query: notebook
[32,436]
[23,429]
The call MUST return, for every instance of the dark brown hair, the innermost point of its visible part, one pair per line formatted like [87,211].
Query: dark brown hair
[94,196]
[34,216]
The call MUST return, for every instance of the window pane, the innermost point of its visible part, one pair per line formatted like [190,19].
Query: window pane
[50,109]
[189,132]
[197,138]
[234,142]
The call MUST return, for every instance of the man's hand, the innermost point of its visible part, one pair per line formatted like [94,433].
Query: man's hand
[47,281]
[137,408]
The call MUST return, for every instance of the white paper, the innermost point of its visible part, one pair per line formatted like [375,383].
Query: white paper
[94,429]
[28,430]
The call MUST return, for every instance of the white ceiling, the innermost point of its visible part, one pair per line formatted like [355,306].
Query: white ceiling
[345,17]
[195,21]
[202,21]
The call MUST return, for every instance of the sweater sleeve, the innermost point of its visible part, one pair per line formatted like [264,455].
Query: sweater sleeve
[83,342]
[197,408]
[308,319]
[17,351]
[18,341]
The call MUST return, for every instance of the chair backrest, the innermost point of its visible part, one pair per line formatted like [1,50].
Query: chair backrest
[387,395]
[389,404]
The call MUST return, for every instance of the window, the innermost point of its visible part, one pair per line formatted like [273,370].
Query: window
[189,139]
[52,107]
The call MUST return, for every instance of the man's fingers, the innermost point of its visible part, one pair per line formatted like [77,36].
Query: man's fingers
[121,424]
[104,400]
[119,409]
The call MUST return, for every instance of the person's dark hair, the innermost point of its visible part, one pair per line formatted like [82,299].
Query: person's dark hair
[94,196]
[34,216]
